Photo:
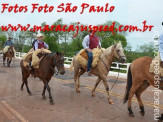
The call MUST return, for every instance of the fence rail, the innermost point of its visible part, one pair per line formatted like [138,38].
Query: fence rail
[122,68]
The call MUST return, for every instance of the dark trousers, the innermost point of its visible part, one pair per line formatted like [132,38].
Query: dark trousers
[90,58]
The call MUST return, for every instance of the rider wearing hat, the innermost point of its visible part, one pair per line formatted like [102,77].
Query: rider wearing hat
[38,44]
[8,42]
[90,42]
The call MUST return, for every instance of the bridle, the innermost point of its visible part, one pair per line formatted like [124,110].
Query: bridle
[107,67]
[55,65]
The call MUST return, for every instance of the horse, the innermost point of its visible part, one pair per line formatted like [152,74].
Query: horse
[9,54]
[138,80]
[45,71]
[102,69]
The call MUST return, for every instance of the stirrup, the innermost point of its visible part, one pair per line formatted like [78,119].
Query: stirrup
[89,73]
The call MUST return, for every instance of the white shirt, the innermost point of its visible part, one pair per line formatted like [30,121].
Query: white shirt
[85,42]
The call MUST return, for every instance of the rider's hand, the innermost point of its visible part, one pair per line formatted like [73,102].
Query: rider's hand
[89,50]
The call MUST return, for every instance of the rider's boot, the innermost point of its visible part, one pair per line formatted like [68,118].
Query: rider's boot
[31,70]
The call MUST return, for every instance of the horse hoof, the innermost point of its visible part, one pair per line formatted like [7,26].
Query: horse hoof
[78,91]
[30,94]
[51,102]
[131,114]
[93,94]
[110,101]
[21,89]
[43,98]
[142,113]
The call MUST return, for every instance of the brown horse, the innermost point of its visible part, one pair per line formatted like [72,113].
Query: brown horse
[9,54]
[102,69]
[45,71]
[139,79]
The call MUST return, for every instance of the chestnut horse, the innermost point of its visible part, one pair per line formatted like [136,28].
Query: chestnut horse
[44,72]
[102,69]
[139,79]
[9,54]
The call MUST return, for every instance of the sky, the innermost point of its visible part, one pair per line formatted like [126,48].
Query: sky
[127,12]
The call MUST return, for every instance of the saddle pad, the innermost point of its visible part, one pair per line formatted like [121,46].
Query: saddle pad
[82,57]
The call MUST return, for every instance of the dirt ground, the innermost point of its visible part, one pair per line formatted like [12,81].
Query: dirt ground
[17,106]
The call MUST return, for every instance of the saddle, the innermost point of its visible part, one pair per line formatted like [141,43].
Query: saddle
[33,57]
[6,49]
[82,57]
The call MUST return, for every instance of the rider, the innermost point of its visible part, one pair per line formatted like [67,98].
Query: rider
[90,42]
[8,43]
[38,44]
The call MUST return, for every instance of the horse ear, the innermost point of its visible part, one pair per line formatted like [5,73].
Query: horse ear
[115,45]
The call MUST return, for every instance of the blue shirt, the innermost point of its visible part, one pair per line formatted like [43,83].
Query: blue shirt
[8,43]
[36,45]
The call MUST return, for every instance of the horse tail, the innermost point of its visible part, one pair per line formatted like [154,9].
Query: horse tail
[128,86]
[72,64]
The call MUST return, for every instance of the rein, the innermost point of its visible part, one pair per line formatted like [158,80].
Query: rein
[55,65]
[52,67]
[108,69]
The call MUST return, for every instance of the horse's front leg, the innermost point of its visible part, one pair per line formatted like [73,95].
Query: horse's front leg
[9,61]
[50,96]
[97,82]
[4,58]
[26,84]
[43,93]
[107,89]
[21,88]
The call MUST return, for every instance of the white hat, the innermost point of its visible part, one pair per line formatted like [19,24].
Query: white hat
[39,35]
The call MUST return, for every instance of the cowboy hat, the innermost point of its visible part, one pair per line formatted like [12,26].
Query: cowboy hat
[39,35]
[9,37]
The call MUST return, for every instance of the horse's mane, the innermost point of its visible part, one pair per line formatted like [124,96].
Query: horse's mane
[108,50]
[11,47]
[51,54]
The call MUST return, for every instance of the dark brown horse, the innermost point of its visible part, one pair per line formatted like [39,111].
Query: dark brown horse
[9,54]
[138,80]
[44,72]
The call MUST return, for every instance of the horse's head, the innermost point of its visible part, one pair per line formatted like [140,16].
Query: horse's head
[59,63]
[11,51]
[118,52]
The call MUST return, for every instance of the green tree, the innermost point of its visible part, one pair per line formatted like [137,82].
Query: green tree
[3,38]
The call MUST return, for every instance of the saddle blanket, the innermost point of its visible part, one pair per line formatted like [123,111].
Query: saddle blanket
[82,57]
[6,49]
[35,59]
